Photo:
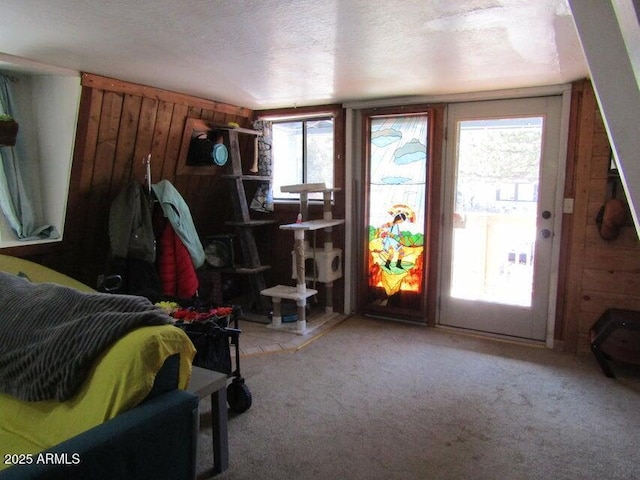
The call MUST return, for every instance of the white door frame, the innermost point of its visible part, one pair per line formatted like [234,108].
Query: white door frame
[562,205]
[354,161]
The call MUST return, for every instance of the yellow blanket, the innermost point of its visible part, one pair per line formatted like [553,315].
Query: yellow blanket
[119,380]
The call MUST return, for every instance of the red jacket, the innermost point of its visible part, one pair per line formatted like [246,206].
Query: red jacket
[175,268]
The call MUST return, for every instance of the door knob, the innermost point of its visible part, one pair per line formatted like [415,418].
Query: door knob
[546,214]
[545,233]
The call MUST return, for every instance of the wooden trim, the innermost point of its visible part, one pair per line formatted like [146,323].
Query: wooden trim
[33,249]
[339,165]
[567,218]
[361,230]
[434,210]
[120,86]
[401,110]
[576,247]
[301,112]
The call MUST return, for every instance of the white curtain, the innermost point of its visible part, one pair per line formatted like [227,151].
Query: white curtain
[15,185]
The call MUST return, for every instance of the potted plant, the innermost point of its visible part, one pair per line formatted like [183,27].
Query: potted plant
[8,130]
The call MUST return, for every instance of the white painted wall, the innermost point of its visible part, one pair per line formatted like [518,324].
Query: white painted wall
[48,117]
[56,101]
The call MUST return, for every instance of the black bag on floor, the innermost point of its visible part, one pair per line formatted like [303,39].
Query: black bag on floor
[212,345]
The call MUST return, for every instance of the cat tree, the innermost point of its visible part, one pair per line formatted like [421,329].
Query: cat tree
[327,261]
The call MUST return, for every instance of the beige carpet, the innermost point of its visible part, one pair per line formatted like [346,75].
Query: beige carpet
[258,338]
[381,400]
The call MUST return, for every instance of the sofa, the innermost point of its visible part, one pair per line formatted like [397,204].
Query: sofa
[131,418]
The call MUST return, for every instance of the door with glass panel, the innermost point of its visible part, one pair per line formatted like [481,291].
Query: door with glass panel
[397,174]
[499,207]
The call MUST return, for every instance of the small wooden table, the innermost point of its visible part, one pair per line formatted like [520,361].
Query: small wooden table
[207,382]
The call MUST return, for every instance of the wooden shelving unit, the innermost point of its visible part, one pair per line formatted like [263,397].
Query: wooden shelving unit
[245,226]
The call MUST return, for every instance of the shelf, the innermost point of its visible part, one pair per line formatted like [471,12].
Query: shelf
[250,131]
[308,188]
[195,126]
[290,293]
[312,225]
[201,124]
[302,187]
[250,223]
[240,270]
[255,178]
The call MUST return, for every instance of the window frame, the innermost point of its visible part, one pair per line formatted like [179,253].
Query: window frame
[304,124]
[333,111]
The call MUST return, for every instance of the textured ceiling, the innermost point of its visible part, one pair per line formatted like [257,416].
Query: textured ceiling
[279,53]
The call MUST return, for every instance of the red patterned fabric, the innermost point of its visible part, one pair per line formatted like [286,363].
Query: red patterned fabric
[175,268]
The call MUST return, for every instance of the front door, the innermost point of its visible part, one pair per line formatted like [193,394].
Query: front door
[501,175]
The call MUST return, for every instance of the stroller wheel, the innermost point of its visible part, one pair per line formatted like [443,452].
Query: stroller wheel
[238,396]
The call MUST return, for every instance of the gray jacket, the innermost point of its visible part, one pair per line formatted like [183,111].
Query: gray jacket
[130,228]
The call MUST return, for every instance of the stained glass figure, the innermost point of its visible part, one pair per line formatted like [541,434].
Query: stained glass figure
[397,183]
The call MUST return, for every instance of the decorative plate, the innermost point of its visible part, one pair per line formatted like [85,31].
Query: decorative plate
[219,154]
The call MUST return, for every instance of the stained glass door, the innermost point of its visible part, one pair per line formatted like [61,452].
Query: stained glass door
[396,215]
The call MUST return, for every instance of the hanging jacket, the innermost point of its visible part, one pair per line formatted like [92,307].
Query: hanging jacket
[132,244]
[130,228]
[177,212]
[175,268]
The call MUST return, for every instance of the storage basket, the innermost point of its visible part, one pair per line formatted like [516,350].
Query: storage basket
[212,344]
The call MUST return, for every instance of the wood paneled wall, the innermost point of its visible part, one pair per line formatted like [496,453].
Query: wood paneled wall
[595,274]
[119,125]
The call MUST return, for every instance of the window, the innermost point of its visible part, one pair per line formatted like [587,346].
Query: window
[302,153]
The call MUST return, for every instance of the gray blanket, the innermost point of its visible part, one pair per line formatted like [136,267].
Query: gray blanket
[50,335]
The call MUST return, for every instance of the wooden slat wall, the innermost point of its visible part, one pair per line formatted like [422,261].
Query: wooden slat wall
[597,274]
[119,125]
